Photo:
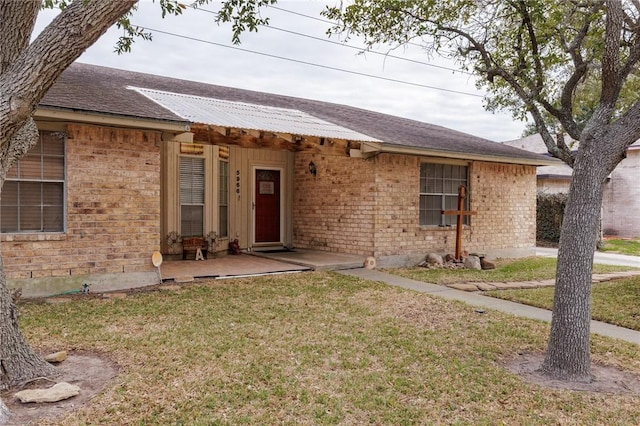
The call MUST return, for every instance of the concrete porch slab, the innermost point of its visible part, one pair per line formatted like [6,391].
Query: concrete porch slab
[225,266]
[314,259]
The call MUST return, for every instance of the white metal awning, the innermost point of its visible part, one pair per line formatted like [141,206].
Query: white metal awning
[240,115]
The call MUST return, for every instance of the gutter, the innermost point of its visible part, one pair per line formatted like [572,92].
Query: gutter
[55,114]
[371,149]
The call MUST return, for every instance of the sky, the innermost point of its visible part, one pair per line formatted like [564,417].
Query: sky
[193,47]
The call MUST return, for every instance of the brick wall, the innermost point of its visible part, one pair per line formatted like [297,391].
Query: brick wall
[621,201]
[334,210]
[505,197]
[113,209]
[371,207]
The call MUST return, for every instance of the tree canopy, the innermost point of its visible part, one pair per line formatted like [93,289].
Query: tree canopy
[572,66]
[547,60]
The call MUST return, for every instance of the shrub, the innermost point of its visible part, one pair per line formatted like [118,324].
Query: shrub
[549,214]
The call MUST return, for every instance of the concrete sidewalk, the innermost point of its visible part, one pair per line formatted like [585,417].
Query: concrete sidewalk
[478,300]
[598,257]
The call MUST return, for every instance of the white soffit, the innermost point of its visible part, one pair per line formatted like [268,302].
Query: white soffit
[240,115]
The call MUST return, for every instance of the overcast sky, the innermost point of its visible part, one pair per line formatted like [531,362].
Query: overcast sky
[200,50]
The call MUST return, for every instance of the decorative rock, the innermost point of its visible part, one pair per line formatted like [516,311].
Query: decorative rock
[472,262]
[370,262]
[56,357]
[57,392]
[485,286]
[464,286]
[485,264]
[434,259]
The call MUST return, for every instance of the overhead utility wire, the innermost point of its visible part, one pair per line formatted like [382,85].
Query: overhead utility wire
[386,55]
[326,21]
[393,80]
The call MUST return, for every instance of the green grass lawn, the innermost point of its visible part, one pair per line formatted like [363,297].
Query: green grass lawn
[527,269]
[615,302]
[315,348]
[630,247]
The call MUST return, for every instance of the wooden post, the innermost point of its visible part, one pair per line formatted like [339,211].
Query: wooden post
[461,212]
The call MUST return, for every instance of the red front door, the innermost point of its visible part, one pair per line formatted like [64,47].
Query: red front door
[267,207]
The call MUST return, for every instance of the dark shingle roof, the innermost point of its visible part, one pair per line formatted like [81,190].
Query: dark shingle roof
[91,88]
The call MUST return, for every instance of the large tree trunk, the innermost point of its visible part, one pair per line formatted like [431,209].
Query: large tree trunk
[4,413]
[568,353]
[18,361]
[26,73]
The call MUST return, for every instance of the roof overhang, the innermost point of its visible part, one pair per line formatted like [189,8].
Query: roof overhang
[61,115]
[370,149]
[284,122]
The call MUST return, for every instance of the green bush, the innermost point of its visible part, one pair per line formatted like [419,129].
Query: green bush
[549,214]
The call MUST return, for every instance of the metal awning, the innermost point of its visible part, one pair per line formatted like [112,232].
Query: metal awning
[240,115]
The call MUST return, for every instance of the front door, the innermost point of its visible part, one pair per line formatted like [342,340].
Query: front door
[267,206]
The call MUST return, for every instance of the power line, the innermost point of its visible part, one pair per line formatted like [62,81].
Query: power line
[393,80]
[324,40]
[386,55]
[326,21]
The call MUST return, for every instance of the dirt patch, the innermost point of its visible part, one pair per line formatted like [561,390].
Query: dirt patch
[607,379]
[90,371]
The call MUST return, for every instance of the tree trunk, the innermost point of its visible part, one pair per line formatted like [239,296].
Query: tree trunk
[27,71]
[4,413]
[568,354]
[18,361]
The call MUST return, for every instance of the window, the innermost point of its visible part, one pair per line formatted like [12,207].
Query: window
[33,194]
[192,197]
[223,200]
[439,191]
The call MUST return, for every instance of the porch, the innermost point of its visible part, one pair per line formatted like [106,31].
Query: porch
[258,263]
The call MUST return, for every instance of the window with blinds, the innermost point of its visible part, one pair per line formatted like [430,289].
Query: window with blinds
[192,184]
[33,194]
[223,199]
[439,191]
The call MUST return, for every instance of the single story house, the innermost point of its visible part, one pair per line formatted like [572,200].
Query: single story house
[621,200]
[130,163]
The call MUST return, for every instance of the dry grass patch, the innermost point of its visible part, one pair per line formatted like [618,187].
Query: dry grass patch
[615,302]
[314,348]
[507,270]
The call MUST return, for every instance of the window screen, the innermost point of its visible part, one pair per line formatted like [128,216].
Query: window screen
[192,197]
[439,185]
[223,200]
[33,194]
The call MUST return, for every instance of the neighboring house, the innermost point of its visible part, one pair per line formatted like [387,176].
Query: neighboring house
[129,162]
[621,200]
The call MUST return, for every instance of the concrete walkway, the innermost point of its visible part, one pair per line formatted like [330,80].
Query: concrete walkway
[478,300]
[599,257]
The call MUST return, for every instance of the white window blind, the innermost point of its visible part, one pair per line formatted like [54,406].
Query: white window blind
[192,186]
[33,194]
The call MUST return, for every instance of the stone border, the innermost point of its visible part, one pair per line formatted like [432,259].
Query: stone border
[517,285]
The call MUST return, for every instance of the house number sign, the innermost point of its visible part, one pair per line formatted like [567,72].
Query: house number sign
[238,182]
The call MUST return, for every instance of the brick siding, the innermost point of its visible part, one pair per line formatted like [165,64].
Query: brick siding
[621,201]
[371,207]
[113,209]
[335,209]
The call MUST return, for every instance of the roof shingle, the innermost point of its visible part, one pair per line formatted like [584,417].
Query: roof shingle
[97,89]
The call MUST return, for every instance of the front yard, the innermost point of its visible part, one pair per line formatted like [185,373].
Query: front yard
[314,348]
[615,302]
